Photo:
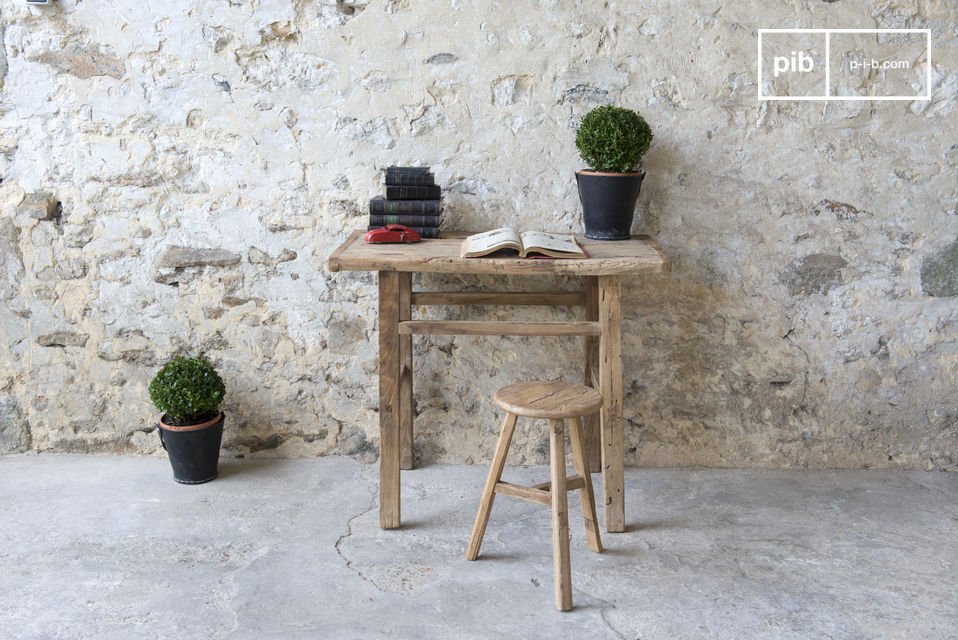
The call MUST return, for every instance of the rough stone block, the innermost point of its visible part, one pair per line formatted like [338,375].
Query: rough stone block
[14,429]
[380,131]
[178,257]
[66,269]
[39,206]
[221,82]
[586,93]
[258,256]
[217,37]
[939,272]
[11,261]
[4,68]
[430,118]
[816,273]
[441,58]
[84,62]
[841,210]
[63,339]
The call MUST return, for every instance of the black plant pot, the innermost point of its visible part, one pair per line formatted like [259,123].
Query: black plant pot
[608,203]
[194,450]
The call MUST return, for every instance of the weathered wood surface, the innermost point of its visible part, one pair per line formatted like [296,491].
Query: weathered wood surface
[561,563]
[529,494]
[610,382]
[407,408]
[489,493]
[496,328]
[554,399]
[590,423]
[389,398]
[637,255]
[503,298]
[587,495]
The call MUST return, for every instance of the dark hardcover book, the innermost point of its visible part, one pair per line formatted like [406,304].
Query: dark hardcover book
[410,179]
[405,207]
[413,193]
[395,169]
[424,232]
[409,220]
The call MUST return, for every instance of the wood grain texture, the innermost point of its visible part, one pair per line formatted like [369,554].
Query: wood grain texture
[586,495]
[489,492]
[389,499]
[407,408]
[636,255]
[333,260]
[539,493]
[502,298]
[529,494]
[591,374]
[561,563]
[555,399]
[572,483]
[610,381]
[495,328]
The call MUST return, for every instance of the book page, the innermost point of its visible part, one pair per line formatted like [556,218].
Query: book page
[532,240]
[489,241]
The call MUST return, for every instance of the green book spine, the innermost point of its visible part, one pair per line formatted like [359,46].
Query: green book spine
[396,169]
[405,207]
[410,180]
[413,193]
[409,220]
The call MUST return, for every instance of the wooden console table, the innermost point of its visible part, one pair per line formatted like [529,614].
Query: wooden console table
[600,296]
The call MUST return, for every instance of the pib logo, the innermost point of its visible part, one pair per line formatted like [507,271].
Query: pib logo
[791,63]
[796,62]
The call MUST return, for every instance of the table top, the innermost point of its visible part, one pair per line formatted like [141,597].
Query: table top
[639,254]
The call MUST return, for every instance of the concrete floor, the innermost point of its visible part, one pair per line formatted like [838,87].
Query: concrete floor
[111,547]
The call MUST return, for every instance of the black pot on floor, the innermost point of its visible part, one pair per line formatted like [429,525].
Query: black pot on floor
[608,203]
[194,450]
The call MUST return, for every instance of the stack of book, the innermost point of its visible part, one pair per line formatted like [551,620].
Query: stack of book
[412,199]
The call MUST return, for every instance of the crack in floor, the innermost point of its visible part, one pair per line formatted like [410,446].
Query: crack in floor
[349,532]
[932,488]
[603,612]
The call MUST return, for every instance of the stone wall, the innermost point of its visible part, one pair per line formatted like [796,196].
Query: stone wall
[175,175]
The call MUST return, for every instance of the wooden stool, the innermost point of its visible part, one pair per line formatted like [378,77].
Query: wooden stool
[556,401]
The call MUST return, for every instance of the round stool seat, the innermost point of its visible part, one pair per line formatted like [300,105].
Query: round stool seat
[554,400]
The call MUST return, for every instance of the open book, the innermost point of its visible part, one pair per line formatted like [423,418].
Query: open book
[553,245]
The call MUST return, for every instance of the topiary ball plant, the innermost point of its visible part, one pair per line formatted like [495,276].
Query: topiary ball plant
[613,139]
[187,390]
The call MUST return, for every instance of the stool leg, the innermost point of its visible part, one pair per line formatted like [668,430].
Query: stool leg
[489,493]
[586,495]
[561,565]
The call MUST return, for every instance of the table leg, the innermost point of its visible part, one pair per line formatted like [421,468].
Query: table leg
[589,423]
[407,410]
[610,381]
[389,286]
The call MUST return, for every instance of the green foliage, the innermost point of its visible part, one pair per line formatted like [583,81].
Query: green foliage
[613,140]
[187,389]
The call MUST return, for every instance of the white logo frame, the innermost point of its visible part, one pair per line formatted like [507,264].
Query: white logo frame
[828,33]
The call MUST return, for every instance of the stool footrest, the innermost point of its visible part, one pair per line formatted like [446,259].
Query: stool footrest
[497,328]
[572,483]
[538,493]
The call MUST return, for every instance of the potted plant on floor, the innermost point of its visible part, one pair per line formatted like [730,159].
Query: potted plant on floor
[612,140]
[188,392]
